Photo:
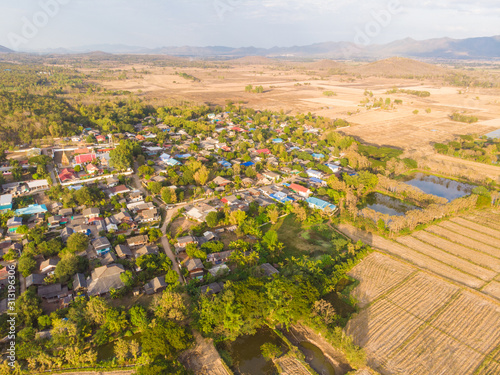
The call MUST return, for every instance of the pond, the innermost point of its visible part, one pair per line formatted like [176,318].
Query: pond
[106,352]
[386,205]
[247,357]
[439,186]
[316,359]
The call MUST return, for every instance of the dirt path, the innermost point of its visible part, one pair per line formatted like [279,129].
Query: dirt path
[204,359]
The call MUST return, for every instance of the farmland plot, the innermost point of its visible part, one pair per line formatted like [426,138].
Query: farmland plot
[377,274]
[449,259]
[467,222]
[474,256]
[492,289]
[411,256]
[422,295]
[475,235]
[455,237]
[491,366]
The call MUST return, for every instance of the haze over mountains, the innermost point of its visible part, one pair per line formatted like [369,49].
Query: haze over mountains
[441,48]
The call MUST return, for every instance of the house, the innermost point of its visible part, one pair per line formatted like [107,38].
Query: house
[116,190]
[268,269]
[49,265]
[195,268]
[230,200]
[277,140]
[317,182]
[67,175]
[248,164]
[101,245]
[135,196]
[32,209]
[301,190]
[264,151]
[108,258]
[37,185]
[111,224]
[13,223]
[112,181]
[91,212]
[66,212]
[212,288]
[186,240]
[85,158]
[271,175]
[158,284]
[100,138]
[318,156]
[79,282]
[123,251]
[104,278]
[225,164]
[172,162]
[137,241]
[53,292]
[91,168]
[145,250]
[65,233]
[34,279]
[54,221]
[219,270]
[220,181]
[333,167]
[320,204]
[148,215]
[281,197]
[200,211]
[5,202]
[218,258]
[314,173]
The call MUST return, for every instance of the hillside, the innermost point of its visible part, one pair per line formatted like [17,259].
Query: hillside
[5,50]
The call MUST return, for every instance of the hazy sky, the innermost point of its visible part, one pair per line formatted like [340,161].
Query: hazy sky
[40,24]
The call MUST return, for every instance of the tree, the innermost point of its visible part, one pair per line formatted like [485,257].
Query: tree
[77,168]
[67,267]
[155,187]
[26,265]
[201,175]
[164,339]
[193,252]
[28,308]
[237,217]
[127,278]
[270,351]
[212,219]
[138,316]
[96,310]
[121,349]
[170,305]
[77,242]
[273,214]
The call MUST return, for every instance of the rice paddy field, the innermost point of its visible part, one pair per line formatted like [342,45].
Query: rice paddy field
[430,301]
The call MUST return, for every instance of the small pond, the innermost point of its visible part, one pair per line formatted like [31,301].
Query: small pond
[439,186]
[247,357]
[386,204]
[316,359]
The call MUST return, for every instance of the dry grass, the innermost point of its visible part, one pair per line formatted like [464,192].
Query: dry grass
[291,366]
[471,233]
[472,222]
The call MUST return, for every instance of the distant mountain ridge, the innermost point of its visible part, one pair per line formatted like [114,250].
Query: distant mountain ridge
[440,48]
[5,50]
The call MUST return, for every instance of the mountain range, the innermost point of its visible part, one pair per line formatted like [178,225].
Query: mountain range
[440,48]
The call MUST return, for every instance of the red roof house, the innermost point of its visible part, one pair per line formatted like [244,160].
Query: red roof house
[67,174]
[301,190]
[85,158]
[263,151]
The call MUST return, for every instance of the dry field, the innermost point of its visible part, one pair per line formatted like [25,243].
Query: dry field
[440,316]
[296,87]
[289,365]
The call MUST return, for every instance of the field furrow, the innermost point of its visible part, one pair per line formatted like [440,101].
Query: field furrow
[473,224]
[411,256]
[449,259]
[422,295]
[377,273]
[492,289]
[472,320]
[475,235]
[484,220]
[381,328]
[432,352]
[463,240]
[474,256]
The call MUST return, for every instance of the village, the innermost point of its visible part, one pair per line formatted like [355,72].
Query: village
[96,227]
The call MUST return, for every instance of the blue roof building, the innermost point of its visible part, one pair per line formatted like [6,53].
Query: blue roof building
[315,180]
[247,164]
[32,209]
[171,162]
[277,140]
[281,197]
[334,167]
[318,156]
[225,164]
[183,156]
[314,173]
[320,204]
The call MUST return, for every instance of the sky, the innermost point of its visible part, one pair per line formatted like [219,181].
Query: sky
[49,24]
